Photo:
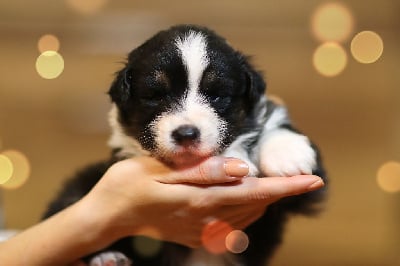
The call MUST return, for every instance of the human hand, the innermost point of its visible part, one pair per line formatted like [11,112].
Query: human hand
[142,196]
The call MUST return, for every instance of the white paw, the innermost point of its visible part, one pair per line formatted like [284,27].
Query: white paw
[110,258]
[285,153]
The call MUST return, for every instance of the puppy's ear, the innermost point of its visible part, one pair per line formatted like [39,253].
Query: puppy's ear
[256,85]
[120,90]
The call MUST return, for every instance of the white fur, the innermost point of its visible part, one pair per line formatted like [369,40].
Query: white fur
[286,153]
[193,111]
[281,152]
[119,140]
[110,258]
[262,107]
[193,50]
[193,108]
[278,117]
[238,149]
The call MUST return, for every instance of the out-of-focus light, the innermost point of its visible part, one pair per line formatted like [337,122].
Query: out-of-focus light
[214,235]
[237,241]
[332,22]
[367,47]
[276,99]
[388,177]
[87,7]
[21,169]
[147,247]
[50,65]
[330,59]
[6,169]
[48,42]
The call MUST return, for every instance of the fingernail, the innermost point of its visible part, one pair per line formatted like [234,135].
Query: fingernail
[235,167]
[316,185]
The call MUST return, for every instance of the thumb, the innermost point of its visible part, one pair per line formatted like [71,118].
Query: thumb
[213,170]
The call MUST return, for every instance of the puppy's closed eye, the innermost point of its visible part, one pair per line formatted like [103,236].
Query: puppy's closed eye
[155,89]
[220,100]
[153,96]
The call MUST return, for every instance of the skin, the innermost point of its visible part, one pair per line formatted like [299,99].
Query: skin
[185,200]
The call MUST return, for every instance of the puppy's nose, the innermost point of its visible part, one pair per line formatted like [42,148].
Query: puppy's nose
[186,135]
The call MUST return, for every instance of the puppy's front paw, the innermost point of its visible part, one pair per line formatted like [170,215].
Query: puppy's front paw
[285,153]
[110,258]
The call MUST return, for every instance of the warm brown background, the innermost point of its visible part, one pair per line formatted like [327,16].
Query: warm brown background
[354,117]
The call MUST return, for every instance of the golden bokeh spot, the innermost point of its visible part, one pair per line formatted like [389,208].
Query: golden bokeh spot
[388,177]
[367,47]
[330,59]
[21,169]
[147,247]
[237,241]
[50,64]
[6,169]
[48,42]
[332,22]
[214,235]
[86,7]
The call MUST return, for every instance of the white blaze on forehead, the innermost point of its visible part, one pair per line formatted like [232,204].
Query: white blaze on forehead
[193,50]
[193,108]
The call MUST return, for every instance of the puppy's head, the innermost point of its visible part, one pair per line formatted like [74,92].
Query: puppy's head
[183,95]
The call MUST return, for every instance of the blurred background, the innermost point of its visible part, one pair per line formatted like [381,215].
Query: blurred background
[335,64]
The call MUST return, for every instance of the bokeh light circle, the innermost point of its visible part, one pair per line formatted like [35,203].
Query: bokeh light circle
[50,65]
[276,99]
[237,241]
[214,235]
[48,42]
[6,169]
[330,59]
[332,22]
[366,47]
[21,169]
[388,177]
[86,7]
[146,247]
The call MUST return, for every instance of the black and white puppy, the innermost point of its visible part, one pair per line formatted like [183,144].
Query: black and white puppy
[185,95]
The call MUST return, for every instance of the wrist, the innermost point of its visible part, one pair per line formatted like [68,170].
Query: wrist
[98,224]
[107,214]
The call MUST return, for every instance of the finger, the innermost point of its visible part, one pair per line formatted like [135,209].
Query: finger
[252,189]
[213,170]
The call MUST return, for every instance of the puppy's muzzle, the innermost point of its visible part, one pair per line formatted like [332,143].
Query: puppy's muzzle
[186,135]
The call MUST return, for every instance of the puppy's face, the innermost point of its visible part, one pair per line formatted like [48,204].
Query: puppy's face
[184,95]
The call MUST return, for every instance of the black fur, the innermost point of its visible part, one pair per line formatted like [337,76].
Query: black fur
[233,88]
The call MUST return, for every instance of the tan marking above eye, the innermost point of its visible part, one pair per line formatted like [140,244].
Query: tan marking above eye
[162,78]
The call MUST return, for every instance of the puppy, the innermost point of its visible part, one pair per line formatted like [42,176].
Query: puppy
[185,95]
